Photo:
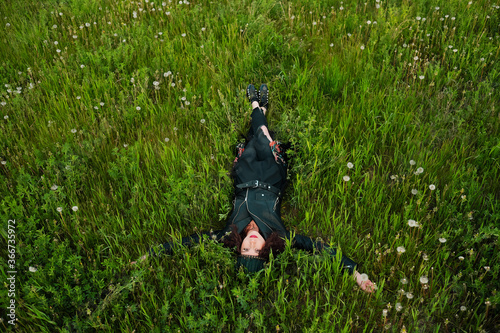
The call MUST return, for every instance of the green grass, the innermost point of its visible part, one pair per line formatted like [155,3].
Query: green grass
[147,166]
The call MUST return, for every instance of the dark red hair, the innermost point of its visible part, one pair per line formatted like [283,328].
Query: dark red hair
[273,243]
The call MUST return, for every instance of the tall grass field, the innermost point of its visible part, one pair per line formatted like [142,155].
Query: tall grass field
[118,126]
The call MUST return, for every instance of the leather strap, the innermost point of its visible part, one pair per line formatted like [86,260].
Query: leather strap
[259,184]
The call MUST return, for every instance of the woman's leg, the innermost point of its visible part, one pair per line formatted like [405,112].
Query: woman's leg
[259,120]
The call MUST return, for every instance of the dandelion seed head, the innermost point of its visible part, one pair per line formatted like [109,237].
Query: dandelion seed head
[463,308]
[346,178]
[167,139]
[75,208]
[424,279]
[59,209]
[138,108]
[202,121]
[350,165]
[54,187]
[32,269]
[442,240]
[399,307]
[401,249]
[73,130]
[409,295]
[404,281]
[432,187]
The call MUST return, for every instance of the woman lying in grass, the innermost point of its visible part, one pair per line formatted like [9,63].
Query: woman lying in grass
[254,228]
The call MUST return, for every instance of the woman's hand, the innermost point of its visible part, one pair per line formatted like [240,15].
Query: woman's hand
[364,283]
[140,259]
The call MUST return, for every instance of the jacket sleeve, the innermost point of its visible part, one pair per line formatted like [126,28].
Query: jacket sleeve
[308,244]
[196,238]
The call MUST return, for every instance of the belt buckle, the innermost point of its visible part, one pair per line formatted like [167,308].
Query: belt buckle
[256,184]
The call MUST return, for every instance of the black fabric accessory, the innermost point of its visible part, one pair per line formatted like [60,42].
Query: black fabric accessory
[259,184]
[251,263]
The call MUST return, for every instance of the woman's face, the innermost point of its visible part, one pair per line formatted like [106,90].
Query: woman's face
[252,243]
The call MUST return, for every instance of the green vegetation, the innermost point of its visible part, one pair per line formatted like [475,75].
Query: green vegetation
[130,111]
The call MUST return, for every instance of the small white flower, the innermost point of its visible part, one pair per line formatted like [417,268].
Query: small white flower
[409,295]
[125,145]
[183,35]
[404,281]
[461,258]
[5,117]
[82,66]
[399,307]
[331,45]
[314,23]
[202,121]
[3,103]
[384,312]
[75,36]
[73,130]
[424,279]
[78,97]
[420,170]
[368,22]
[54,187]
[401,249]
[418,18]
[58,51]
[54,26]
[101,104]
[412,162]
[455,50]
[421,77]
[450,46]
[364,277]
[7,25]
[167,139]
[350,165]
[3,162]
[362,47]
[56,42]
[463,308]
[413,223]
[32,269]
[442,240]
[203,29]
[437,8]
[132,80]
[175,129]
[172,84]
[59,209]
[156,83]
[138,108]
[432,187]
[346,178]
[75,208]
[87,25]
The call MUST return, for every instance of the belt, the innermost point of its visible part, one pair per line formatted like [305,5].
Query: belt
[259,184]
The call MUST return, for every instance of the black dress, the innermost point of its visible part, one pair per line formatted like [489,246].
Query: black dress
[259,173]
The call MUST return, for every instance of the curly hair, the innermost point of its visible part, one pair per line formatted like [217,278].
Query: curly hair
[273,243]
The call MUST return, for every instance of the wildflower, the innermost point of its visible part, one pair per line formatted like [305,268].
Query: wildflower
[418,18]
[75,208]
[56,42]
[132,80]
[54,187]
[437,8]
[331,45]
[78,97]
[3,162]
[463,308]
[399,307]
[172,84]
[442,240]
[362,47]
[455,50]
[487,303]
[5,117]
[82,66]
[58,51]
[419,171]
[424,279]
[409,295]
[368,22]
[138,108]
[401,249]
[432,187]
[450,46]
[414,191]
[421,77]
[364,277]
[346,178]
[384,312]
[175,129]
[404,281]
[101,104]
[54,26]
[314,23]
[7,25]
[87,25]
[461,258]
[415,58]
[59,209]
[156,83]
[350,165]
[167,139]
[125,145]
[487,268]
[425,256]
[167,74]
[183,35]
[32,269]
[413,223]
[202,121]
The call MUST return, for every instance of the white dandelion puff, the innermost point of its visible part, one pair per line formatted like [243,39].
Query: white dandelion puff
[346,178]
[432,187]
[75,208]
[54,187]
[59,209]
[442,240]
[350,165]
[424,279]
[401,249]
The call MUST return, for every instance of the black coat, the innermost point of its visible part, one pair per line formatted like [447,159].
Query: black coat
[261,162]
